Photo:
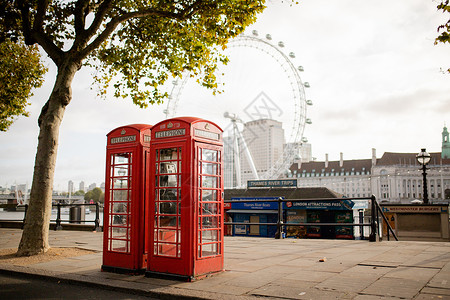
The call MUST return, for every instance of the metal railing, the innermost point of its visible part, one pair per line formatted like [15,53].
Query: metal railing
[374,223]
[58,221]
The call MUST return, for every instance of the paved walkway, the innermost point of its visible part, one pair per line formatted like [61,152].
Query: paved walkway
[261,267]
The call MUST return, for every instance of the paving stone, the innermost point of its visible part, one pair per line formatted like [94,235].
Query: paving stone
[441,280]
[351,282]
[429,260]
[413,273]
[310,275]
[435,291]
[281,291]
[367,270]
[431,296]
[253,279]
[396,287]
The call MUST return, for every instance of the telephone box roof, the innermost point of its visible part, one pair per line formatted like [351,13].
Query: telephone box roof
[189,120]
[138,127]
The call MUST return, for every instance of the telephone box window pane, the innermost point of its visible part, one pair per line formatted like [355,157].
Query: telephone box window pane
[209,236]
[168,194]
[167,221]
[209,250]
[169,208]
[122,158]
[209,208]
[119,233]
[119,195]
[119,246]
[121,170]
[209,195]
[209,155]
[169,154]
[168,180]
[168,168]
[167,249]
[209,182]
[120,220]
[210,222]
[120,183]
[167,236]
[120,207]
[209,168]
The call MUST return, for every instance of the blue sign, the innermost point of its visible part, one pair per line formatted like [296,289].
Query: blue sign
[317,204]
[253,203]
[272,183]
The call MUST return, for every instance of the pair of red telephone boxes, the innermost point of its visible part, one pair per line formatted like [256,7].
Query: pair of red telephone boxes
[163,212]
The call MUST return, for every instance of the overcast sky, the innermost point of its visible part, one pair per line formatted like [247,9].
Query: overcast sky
[374,71]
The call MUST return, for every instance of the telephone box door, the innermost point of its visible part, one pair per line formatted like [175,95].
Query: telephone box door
[209,252]
[168,240]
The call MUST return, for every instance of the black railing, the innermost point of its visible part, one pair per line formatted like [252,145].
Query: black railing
[58,221]
[373,224]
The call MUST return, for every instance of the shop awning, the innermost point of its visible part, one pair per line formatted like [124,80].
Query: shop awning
[252,211]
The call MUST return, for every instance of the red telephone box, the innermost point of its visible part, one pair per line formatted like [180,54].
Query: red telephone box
[127,154]
[186,199]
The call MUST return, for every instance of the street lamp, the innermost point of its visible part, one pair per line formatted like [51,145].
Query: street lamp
[424,158]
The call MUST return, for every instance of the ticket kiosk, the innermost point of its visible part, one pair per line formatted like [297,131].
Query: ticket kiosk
[185,216]
[126,199]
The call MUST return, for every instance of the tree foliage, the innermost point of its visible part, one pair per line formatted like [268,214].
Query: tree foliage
[20,71]
[95,194]
[79,193]
[444,29]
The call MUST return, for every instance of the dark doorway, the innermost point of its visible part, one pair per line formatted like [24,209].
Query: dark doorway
[328,232]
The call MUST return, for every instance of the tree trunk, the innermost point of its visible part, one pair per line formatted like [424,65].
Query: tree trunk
[35,233]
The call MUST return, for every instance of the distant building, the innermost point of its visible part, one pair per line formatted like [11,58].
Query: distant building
[81,186]
[445,144]
[265,140]
[92,186]
[306,152]
[395,177]
[70,190]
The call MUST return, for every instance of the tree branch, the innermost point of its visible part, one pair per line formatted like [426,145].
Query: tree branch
[35,34]
[112,25]
[40,13]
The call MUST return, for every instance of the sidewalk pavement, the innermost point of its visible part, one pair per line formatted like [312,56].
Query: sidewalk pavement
[263,267]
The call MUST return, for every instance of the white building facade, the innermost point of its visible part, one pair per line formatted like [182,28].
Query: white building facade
[395,177]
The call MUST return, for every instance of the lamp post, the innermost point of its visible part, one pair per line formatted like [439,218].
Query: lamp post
[424,158]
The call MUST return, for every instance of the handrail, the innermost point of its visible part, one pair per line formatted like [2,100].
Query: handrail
[58,215]
[389,228]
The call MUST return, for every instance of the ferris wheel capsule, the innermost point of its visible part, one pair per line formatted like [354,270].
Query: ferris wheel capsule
[292,55]
[280,44]
[269,37]
[255,32]
[304,139]
[300,68]
[308,121]
[309,102]
[306,84]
